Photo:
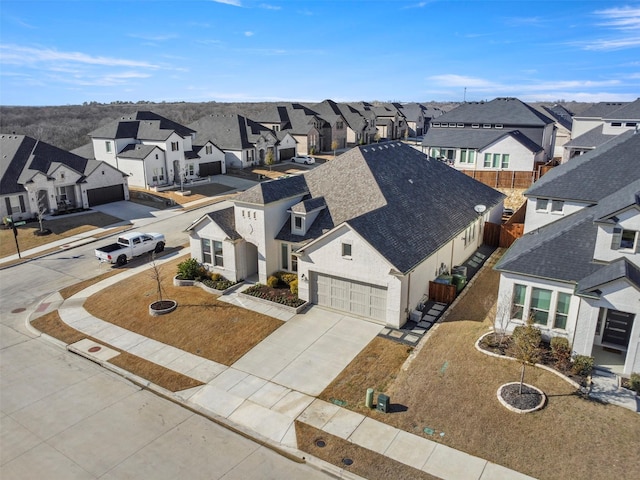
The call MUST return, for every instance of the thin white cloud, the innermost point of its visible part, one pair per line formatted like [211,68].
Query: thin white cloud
[154,38]
[234,3]
[624,26]
[416,5]
[612,44]
[249,34]
[267,6]
[621,18]
[19,55]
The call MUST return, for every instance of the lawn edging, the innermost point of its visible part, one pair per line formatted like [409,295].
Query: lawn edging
[195,283]
[275,304]
[539,365]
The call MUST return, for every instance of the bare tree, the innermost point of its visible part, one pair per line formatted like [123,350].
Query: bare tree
[156,275]
[42,208]
[525,345]
[504,314]
[270,159]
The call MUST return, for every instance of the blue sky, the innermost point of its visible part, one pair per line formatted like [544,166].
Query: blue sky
[68,52]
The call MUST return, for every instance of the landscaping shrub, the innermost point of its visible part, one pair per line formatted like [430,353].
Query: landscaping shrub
[582,365]
[220,284]
[293,286]
[216,277]
[561,352]
[273,281]
[188,270]
[277,295]
[288,277]
[202,274]
[634,382]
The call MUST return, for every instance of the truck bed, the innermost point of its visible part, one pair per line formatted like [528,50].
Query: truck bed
[110,248]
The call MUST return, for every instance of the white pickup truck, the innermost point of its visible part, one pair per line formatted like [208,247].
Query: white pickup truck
[130,245]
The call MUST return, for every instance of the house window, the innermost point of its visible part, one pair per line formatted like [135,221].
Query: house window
[284,253]
[294,262]
[158,174]
[107,146]
[631,124]
[475,125]
[486,125]
[498,125]
[542,204]
[276,128]
[467,156]
[175,146]
[517,305]
[557,206]
[61,175]
[562,311]
[346,250]
[540,305]
[208,149]
[297,222]
[218,259]
[15,204]
[505,161]
[487,160]
[436,124]
[616,124]
[206,251]
[623,239]
[339,125]
[191,169]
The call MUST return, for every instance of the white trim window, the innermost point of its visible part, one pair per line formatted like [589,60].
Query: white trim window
[540,305]
[15,204]
[208,149]
[346,250]
[212,252]
[517,301]
[562,311]
[625,239]
[542,204]
[107,146]
[288,261]
[467,155]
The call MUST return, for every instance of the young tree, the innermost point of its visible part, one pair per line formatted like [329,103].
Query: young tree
[525,345]
[334,147]
[42,208]
[156,275]
[270,159]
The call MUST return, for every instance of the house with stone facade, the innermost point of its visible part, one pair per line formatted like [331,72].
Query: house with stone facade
[36,176]
[577,268]
[365,234]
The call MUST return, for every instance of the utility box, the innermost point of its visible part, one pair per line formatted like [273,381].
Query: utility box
[383,403]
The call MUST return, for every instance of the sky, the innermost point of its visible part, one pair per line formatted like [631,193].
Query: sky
[74,51]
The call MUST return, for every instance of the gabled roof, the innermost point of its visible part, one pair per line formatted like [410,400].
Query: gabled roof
[229,132]
[560,114]
[616,270]
[85,151]
[308,205]
[630,111]
[590,139]
[411,111]
[137,151]
[506,111]
[274,190]
[594,175]
[601,109]
[23,157]
[224,218]
[143,125]
[474,138]
[563,250]
[402,203]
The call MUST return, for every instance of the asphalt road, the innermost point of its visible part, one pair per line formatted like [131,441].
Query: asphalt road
[63,417]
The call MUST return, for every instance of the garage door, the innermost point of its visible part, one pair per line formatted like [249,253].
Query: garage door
[358,298]
[287,153]
[98,196]
[210,168]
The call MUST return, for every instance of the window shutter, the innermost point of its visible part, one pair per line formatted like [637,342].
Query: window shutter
[8,202]
[617,238]
[22,208]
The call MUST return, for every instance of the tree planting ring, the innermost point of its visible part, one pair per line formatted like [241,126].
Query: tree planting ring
[531,400]
[162,307]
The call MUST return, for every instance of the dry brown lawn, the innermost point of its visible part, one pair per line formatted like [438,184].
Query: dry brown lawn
[450,387]
[198,192]
[52,325]
[201,324]
[62,227]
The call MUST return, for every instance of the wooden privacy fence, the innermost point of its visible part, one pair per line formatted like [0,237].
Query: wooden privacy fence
[441,292]
[503,235]
[503,178]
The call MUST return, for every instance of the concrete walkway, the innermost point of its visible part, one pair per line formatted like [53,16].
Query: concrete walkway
[275,383]
[605,388]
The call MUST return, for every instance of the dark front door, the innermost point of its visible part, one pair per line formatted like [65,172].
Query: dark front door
[617,328]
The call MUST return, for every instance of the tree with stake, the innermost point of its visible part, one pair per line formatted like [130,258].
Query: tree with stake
[334,147]
[270,159]
[525,345]
[42,209]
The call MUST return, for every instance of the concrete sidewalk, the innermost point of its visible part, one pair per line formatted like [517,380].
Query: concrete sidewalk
[275,383]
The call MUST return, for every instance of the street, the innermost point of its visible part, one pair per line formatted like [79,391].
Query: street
[61,416]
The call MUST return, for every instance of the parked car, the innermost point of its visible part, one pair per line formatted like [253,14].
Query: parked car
[306,159]
[130,245]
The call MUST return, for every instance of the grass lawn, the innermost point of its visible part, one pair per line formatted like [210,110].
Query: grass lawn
[52,325]
[451,387]
[201,324]
[61,227]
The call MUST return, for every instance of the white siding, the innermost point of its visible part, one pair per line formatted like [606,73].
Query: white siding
[536,218]
[628,220]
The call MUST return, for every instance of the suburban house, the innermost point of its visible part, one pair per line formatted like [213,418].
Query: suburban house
[365,234]
[154,151]
[245,142]
[303,124]
[564,121]
[503,134]
[599,124]
[36,176]
[341,130]
[414,115]
[577,270]
[387,119]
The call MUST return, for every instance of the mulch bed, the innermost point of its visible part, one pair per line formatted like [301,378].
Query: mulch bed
[528,399]
[282,295]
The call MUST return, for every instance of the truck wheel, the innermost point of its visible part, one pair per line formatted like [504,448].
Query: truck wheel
[159,247]
[121,260]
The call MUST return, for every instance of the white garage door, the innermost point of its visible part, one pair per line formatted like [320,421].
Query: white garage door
[358,298]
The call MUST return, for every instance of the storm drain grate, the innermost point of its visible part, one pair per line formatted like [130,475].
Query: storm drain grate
[18,310]
[95,349]
[321,443]
[347,461]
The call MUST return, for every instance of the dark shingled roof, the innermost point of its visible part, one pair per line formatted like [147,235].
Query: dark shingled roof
[404,204]
[308,205]
[136,151]
[590,139]
[22,157]
[226,220]
[601,109]
[594,175]
[630,111]
[474,138]
[229,132]
[507,111]
[616,270]
[274,190]
[143,125]
[560,114]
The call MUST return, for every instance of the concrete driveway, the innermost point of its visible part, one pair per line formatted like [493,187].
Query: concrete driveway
[128,211]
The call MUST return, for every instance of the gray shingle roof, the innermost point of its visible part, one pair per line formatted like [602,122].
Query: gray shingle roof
[594,175]
[21,157]
[226,220]
[85,151]
[142,125]
[308,205]
[590,139]
[507,111]
[229,132]
[616,270]
[274,190]
[630,111]
[473,138]
[560,114]
[601,109]
[136,151]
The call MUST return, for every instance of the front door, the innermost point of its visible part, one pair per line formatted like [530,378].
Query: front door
[617,328]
